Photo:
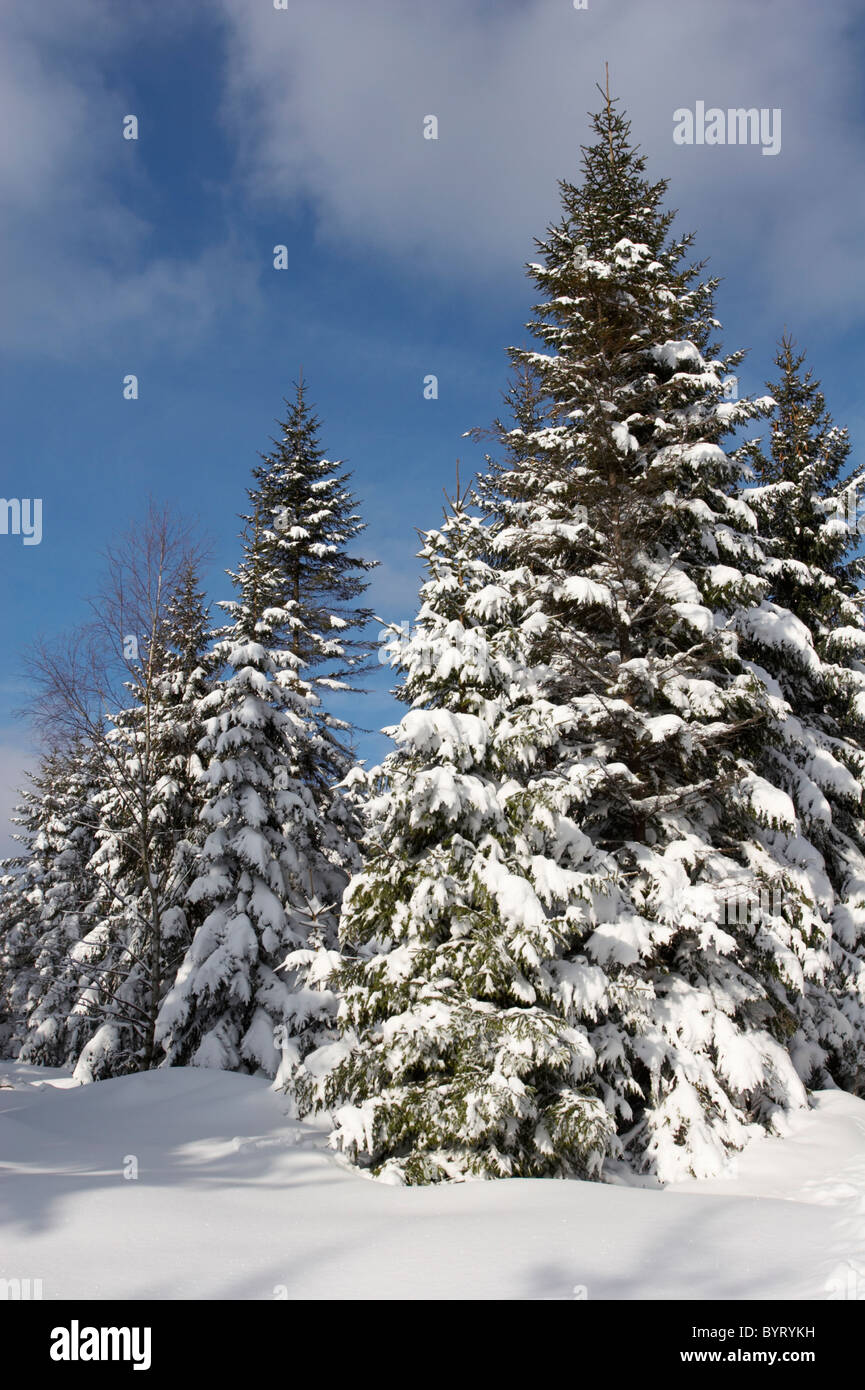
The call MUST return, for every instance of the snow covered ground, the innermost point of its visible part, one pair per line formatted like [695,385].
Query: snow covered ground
[234,1201]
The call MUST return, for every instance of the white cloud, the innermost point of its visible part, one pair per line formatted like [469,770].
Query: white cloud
[327,102]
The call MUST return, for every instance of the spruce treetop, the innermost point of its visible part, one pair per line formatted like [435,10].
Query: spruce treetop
[305,519]
[806,494]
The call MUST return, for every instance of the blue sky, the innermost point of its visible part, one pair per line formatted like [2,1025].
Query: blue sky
[304,127]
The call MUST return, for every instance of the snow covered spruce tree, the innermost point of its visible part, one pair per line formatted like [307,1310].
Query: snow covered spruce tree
[806,638]
[19,914]
[61,902]
[148,839]
[619,500]
[477,1037]
[44,903]
[279,837]
[310,521]
[807,500]
[118,688]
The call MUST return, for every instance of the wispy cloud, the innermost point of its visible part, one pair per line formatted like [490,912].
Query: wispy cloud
[79,273]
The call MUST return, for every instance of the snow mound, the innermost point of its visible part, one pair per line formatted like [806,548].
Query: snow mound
[233,1200]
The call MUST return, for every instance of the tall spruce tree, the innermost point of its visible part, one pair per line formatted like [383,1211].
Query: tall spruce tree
[806,639]
[279,843]
[148,839]
[622,505]
[115,852]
